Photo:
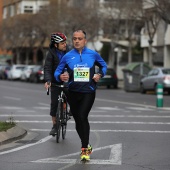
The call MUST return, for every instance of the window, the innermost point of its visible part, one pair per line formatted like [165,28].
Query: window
[28,9]
[11,11]
[5,13]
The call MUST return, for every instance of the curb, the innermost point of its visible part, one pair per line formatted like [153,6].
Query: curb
[12,134]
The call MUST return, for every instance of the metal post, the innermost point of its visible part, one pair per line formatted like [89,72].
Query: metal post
[159,101]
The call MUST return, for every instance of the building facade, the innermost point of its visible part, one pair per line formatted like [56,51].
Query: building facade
[114,30]
[160,43]
[22,42]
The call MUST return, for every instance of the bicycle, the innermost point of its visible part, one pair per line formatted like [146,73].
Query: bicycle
[62,114]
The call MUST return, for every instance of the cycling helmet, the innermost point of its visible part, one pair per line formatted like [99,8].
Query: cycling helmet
[58,37]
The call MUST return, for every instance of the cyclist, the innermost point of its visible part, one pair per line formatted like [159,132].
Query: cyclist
[82,85]
[57,49]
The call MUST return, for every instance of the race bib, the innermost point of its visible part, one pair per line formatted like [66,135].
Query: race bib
[82,74]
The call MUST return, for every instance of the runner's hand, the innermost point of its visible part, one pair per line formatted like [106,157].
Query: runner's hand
[96,77]
[64,77]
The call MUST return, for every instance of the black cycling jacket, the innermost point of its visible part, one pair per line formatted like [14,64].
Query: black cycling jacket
[51,63]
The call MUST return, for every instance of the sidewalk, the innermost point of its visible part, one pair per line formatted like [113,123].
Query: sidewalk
[12,134]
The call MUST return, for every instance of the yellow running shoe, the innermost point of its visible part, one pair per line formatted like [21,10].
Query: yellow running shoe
[84,156]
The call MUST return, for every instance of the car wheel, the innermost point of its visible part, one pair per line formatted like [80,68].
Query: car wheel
[155,88]
[115,86]
[142,90]
[168,91]
[108,86]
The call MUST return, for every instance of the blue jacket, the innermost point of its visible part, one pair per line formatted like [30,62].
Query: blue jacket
[81,68]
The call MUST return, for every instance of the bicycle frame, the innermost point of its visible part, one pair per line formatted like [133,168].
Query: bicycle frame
[62,114]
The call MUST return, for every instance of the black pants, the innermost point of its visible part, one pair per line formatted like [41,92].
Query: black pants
[80,105]
[55,91]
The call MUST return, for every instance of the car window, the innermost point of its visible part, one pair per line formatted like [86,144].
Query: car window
[166,71]
[19,68]
[151,73]
[36,68]
[110,71]
[42,68]
[155,72]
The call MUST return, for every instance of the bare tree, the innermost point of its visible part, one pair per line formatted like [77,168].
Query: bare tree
[32,31]
[151,19]
[120,22]
[133,24]
[162,7]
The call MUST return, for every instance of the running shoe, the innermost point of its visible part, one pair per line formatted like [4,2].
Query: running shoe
[84,156]
[90,149]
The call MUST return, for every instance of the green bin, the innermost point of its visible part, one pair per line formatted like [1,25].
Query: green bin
[133,73]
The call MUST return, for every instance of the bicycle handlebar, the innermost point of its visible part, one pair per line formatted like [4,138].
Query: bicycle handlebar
[48,91]
[61,85]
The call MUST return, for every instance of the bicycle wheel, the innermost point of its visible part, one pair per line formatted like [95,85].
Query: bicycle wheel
[64,117]
[58,121]
[64,122]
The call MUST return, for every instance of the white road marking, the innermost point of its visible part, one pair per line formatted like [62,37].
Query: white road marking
[42,108]
[12,98]
[96,109]
[139,108]
[97,122]
[115,157]
[26,146]
[103,116]
[127,103]
[26,111]
[109,130]
[23,115]
[164,108]
[44,104]
[130,116]
[109,108]
[11,108]
[133,104]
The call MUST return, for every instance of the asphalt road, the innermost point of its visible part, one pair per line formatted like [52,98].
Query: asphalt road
[128,131]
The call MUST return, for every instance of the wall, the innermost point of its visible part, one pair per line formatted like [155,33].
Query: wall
[167,48]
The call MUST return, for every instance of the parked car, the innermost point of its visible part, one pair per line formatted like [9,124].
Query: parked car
[15,72]
[110,79]
[37,74]
[25,74]
[153,78]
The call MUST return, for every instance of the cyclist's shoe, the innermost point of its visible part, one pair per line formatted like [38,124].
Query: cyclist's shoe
[84,156]
[53,131]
